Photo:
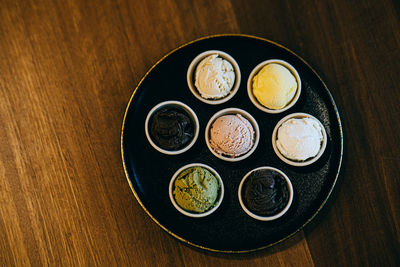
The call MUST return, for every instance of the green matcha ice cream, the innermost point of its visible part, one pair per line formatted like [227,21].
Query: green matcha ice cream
[196,189]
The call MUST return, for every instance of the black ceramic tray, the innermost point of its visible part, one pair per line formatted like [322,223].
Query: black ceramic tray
[229,229]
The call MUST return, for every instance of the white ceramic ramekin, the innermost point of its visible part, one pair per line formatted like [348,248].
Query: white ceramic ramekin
[275,216]
[188,213]
[192,70]
[233,111]
[291,161]
[254,73]
[191,114]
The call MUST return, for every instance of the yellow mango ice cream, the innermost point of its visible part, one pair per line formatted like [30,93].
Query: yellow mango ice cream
[274,86]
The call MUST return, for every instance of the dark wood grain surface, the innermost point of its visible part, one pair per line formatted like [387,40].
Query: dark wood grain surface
[67,71]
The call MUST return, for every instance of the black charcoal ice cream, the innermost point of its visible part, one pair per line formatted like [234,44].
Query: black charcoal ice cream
[171,128]
[265,192]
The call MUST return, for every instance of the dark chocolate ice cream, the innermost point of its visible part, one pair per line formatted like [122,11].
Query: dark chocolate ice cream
[171,128]
[265,193]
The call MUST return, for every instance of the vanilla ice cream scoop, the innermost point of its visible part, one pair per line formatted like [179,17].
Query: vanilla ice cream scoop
[214,77]
[232,135]
[299,139]
[274,86]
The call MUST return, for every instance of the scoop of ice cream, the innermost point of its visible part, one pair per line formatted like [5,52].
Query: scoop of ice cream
[274,86]
[214,77]
[231,135]
[299,139]
[171,128]
[196,189]
[265,192]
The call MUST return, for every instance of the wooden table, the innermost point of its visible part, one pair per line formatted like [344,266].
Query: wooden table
[67,71]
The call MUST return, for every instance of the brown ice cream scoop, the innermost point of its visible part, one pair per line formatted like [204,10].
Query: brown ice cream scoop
[232,135]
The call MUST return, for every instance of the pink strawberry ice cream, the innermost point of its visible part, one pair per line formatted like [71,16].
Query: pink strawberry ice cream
[231,135]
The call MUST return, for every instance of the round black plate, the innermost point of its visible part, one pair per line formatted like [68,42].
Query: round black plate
[229,229]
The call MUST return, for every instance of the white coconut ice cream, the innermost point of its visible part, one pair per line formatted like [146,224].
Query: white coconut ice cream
[299,139]
[214,77]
